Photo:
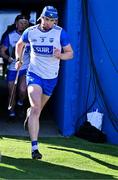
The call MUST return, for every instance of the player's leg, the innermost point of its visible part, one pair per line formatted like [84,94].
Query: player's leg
[22,94]
[11,75]
[11,112]
[35,96]
[22,88]
[44,100]
[48,88]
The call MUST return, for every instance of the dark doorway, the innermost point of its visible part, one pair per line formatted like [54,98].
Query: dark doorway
[27,6]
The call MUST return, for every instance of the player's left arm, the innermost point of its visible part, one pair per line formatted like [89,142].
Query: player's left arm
[67,51]
[66,54]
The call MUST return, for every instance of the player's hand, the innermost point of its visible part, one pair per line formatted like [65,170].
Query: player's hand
[10,60]
[57,53]
[18,64]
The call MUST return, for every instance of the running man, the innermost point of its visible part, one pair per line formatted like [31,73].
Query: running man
[8,44]
[49,44]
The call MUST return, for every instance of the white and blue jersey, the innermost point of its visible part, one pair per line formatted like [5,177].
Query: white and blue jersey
[42,44]
[10,42]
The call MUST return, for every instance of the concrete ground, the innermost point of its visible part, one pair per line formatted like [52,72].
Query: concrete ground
[48,125]
[48,128]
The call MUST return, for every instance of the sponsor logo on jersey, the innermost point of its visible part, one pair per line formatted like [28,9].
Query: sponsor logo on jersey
[43,50]
[33,40]
[51,40]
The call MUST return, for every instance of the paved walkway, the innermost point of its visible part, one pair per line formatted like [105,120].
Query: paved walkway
[47,128]
[47,124]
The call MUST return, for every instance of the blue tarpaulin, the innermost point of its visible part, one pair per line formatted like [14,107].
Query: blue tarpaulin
[90,80]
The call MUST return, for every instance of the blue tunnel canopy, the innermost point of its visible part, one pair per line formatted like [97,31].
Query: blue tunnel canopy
[90,80]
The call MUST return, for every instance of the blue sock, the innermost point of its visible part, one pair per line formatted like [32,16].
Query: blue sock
[20,102]
[34,145]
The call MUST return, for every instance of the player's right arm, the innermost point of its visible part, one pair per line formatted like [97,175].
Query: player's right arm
[5,45]
[19,49]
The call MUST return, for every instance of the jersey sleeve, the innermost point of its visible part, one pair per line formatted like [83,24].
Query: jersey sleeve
[24,36]
[64,39]
[6,41]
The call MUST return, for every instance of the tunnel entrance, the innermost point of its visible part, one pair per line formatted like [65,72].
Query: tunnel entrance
[48,123]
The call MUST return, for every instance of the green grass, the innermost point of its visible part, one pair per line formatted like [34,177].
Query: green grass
[63,158]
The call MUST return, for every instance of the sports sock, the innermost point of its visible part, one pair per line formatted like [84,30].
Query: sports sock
[20,102]
[34,145]
[12,113]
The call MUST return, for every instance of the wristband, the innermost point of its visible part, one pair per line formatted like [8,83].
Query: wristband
[18,59]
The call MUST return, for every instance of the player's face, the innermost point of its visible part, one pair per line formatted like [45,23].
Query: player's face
[22,24]
[47,23]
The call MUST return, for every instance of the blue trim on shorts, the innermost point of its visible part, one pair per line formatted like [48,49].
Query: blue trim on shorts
[47,85]
[11,75]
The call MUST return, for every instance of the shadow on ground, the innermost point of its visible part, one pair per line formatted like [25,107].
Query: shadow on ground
[30,169]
